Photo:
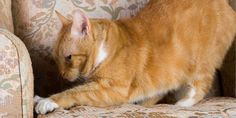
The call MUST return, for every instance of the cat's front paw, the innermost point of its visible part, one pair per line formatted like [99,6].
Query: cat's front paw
[185,103]
[45,105]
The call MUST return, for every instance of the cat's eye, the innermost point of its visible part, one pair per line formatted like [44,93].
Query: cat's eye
[68,58]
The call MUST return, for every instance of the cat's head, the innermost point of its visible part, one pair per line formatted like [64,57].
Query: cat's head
[80,46]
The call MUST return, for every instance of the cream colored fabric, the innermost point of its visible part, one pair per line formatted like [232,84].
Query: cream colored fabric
[209,108]
[10,93]
[16,78]
[6,15]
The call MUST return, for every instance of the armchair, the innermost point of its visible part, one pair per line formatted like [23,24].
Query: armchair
[37,26]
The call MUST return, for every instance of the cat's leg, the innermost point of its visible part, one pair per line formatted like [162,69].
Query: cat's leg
[195,90]
[152,101]
[93,94]
[44,105]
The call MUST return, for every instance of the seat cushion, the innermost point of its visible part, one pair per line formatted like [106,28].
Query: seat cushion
[209,108]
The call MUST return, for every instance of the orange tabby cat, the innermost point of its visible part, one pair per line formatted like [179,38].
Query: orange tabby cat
[170,44]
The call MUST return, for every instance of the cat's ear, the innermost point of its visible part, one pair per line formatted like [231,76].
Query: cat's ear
[63,19]
[80,25]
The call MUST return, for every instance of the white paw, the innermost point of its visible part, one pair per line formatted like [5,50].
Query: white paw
[186,103]
[45,105]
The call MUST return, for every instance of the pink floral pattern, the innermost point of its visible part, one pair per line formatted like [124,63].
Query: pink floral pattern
[16,79]
[9,76]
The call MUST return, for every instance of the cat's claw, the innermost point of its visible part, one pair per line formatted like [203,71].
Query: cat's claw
[45,105]
[37,99]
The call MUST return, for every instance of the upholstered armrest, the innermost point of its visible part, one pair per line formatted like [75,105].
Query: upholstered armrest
[16,78]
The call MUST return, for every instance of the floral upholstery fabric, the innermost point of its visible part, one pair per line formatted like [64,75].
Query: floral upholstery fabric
[6,15]
[16,79]
[37,25]
[209,108]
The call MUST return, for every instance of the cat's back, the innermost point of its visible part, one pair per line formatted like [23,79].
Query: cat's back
[167,7]
[161,11]
[188,28]
[164,19]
